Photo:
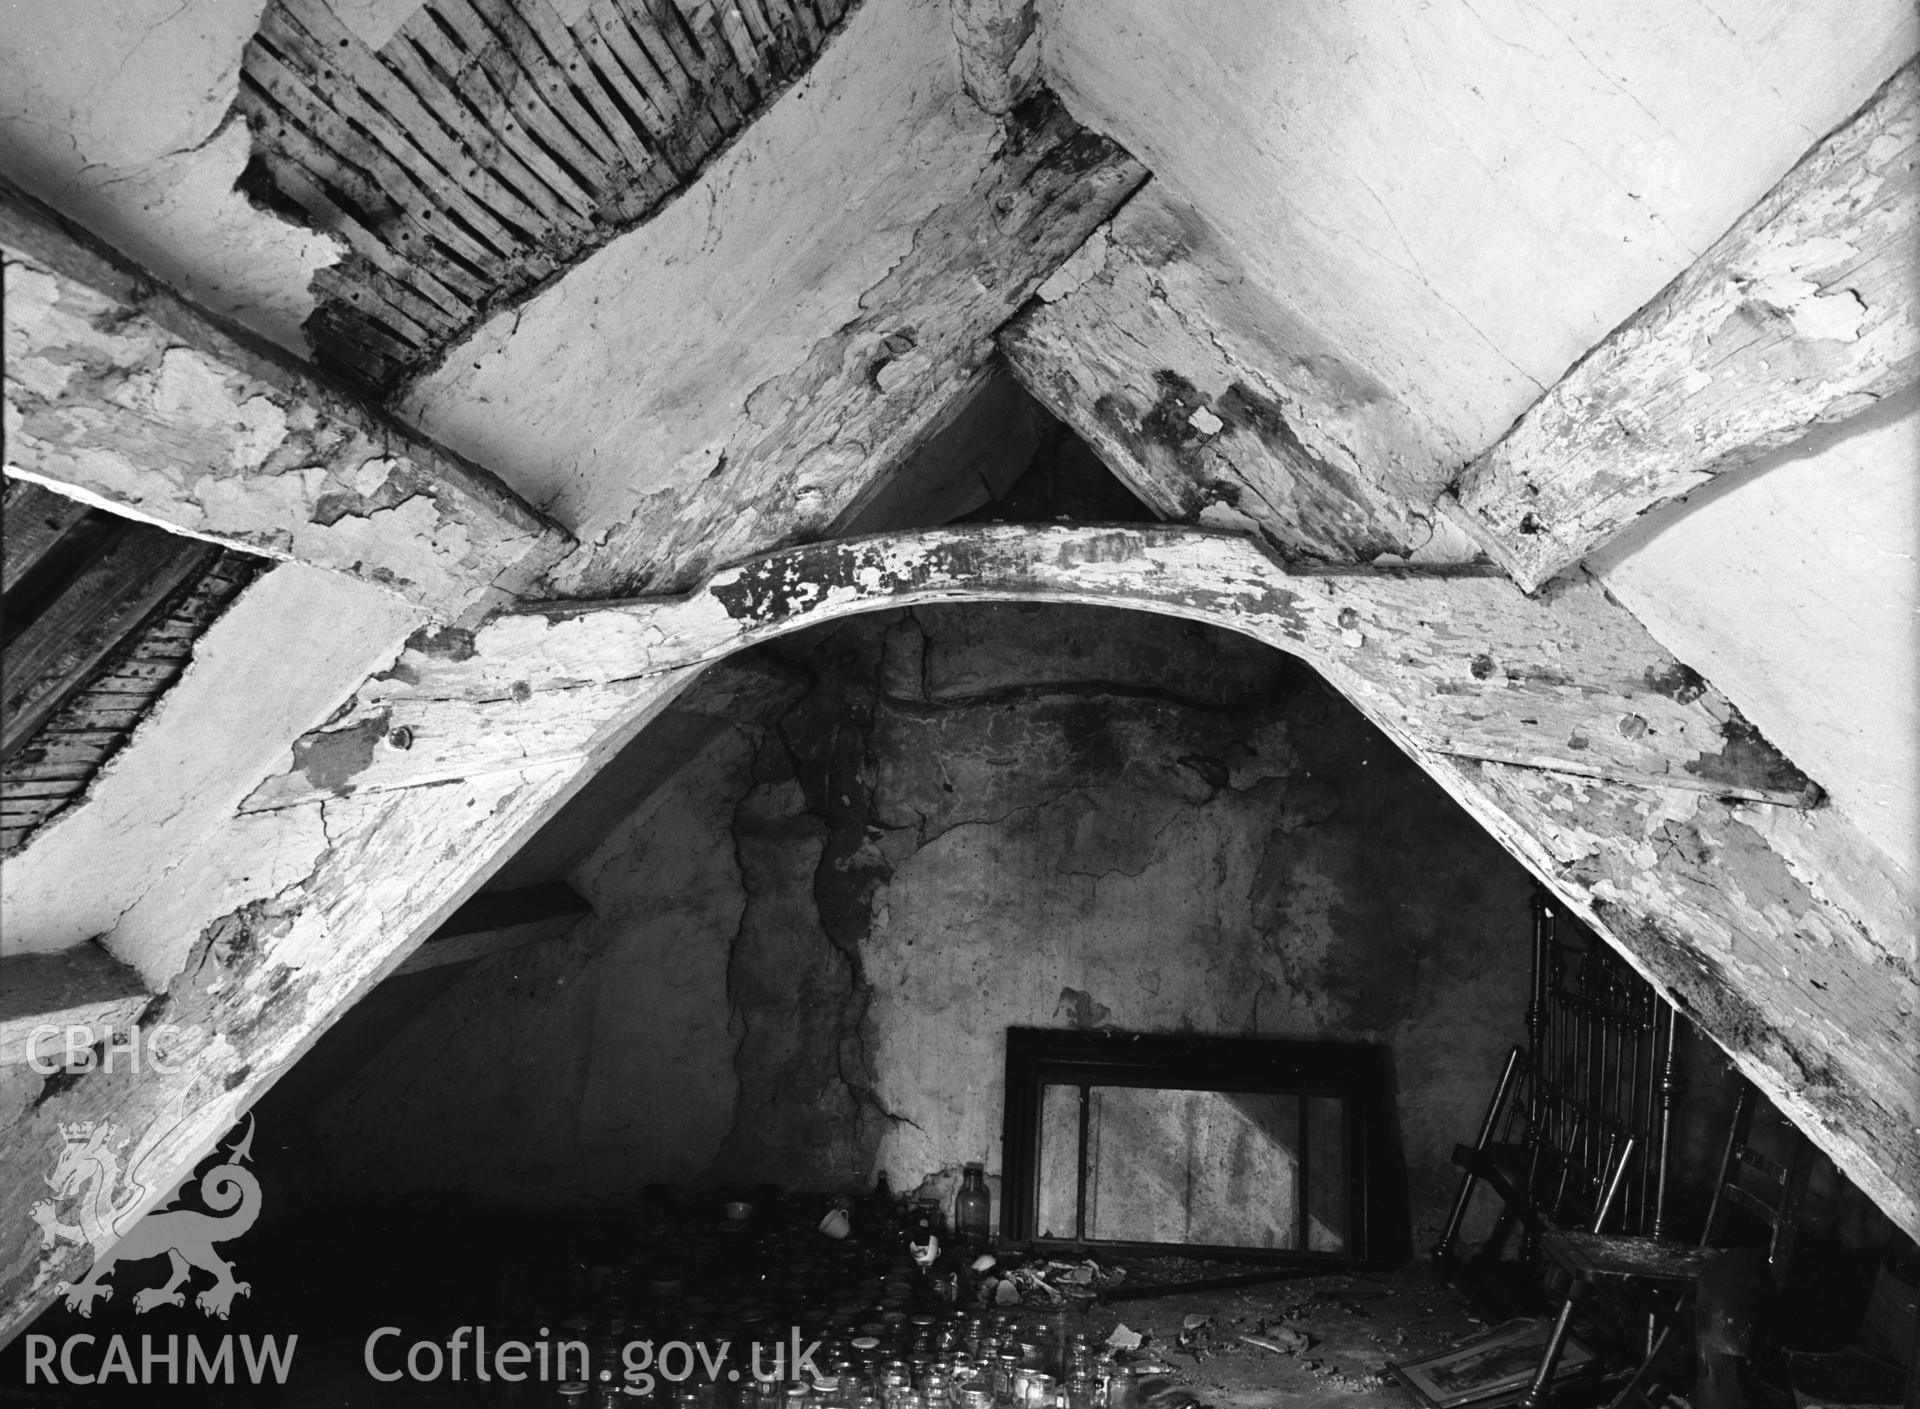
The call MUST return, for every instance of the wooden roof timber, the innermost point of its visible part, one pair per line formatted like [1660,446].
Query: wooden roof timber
[999,44]
[1791,967]
[32,522]
[345,887]
[1805,312]
[1707,889]
[1145,353]
[1464,665]
[1216,406]
[813,443]
[122,394]
[128,575]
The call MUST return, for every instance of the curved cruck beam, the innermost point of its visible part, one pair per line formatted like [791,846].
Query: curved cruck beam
[1623,780]
[1454,665]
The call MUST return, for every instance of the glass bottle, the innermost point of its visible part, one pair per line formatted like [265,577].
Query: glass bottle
[1004,1364]
[972,1209]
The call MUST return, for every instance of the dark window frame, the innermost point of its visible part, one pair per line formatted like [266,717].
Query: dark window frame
[1357,1073]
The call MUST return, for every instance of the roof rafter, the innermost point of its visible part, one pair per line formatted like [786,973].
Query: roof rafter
[358,884]
[815,441]
[1155,346]
[1805,312]
[121,393]
[999,44]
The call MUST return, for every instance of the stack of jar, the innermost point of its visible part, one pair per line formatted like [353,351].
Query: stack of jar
[885,1339]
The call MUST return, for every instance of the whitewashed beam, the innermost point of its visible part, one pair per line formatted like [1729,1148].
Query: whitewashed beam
[999,43]
[42,996]
[1798,969]
[1804,312]
[352,886]
[1462,663]
[1161,352]
[811,442]
[121,394]
[1786,936]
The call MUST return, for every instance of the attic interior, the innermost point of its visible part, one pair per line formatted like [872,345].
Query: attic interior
[1294,630]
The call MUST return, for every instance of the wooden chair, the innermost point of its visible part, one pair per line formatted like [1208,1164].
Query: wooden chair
[1768,1190]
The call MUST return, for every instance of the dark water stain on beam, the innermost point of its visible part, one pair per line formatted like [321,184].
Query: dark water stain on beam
[333,759]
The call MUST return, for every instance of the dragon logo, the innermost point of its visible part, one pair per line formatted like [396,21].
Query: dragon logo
[88,1173]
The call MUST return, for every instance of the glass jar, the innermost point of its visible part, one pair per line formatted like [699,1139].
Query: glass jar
[1004,1365]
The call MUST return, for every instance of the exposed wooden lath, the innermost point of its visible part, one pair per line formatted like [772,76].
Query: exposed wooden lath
[53,769]
[101,616]
[488,144]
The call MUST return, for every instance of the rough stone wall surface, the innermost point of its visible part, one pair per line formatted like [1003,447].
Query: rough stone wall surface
[809,944]
[572,1071]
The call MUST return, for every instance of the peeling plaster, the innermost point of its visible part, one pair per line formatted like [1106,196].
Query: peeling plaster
[115,112]
[246,861]
[275,665]
[717,295]
[1465,199]
[1814,628]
